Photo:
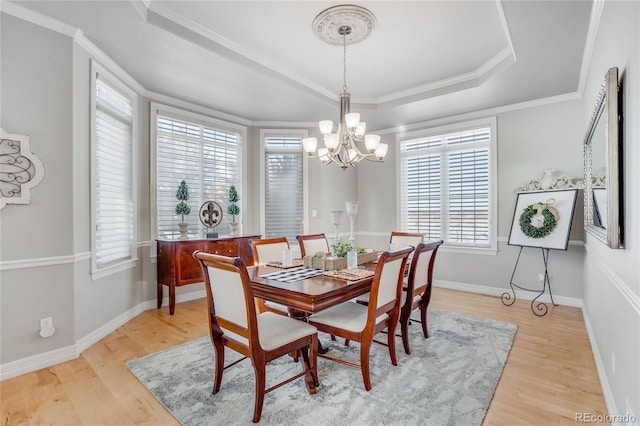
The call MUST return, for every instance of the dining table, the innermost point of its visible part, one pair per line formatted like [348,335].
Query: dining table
[306,292]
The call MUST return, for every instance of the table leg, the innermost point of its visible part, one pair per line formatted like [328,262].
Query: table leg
[302,316]
[159,293]
[172,299]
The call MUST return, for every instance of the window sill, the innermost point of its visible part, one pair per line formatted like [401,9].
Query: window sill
[485,251]
[113,269]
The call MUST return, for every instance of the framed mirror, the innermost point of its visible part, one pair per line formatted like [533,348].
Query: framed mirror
[603,174]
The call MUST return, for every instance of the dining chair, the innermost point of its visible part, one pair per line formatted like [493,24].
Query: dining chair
[264,251]
[312,244]
[267,250]
[418,291]
[234,323]
[404,239]
[361,323]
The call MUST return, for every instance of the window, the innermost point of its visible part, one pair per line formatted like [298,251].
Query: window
[113,172]
[447,184]
[283,185]
[204,152]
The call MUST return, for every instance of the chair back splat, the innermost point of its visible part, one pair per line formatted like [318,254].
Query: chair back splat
[312,244]
[235,324]
[268,249]
[405,239]
[264,251]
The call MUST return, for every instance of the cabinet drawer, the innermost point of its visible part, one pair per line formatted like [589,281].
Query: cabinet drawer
[187,268]
[222,248]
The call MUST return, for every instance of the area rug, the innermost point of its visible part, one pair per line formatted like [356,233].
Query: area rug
[448,379]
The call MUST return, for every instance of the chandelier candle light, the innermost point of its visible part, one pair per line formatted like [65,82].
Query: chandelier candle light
[345,24]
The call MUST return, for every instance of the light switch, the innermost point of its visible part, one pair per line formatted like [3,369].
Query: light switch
[314,212]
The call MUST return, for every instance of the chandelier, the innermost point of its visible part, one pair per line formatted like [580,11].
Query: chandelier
[345,25]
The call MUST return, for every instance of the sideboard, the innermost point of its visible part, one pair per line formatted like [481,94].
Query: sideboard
[177,267]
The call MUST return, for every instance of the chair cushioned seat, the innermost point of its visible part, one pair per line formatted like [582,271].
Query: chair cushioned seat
[276,330]
[348,316]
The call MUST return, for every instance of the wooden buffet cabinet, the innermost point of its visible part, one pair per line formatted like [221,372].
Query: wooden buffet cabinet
[177,267]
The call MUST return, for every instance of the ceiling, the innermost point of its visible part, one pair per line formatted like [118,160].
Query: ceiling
[262,61]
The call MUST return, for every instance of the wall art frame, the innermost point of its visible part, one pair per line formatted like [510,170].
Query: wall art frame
[534,209]
[20,169]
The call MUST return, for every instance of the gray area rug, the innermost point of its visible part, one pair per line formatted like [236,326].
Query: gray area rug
[448,379]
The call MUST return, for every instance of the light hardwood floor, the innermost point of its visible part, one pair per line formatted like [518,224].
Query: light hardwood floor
[550,374]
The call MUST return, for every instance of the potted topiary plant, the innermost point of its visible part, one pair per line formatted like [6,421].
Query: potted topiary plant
[182,207]
[233,209]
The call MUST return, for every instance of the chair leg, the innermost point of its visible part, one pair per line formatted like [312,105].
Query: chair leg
[365,347]
[219,368]
[260,372]
[423,319]
[404,330]
[310,378]
[391,341]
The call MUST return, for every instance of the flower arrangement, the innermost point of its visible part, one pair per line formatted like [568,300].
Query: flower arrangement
[233,208]
[341,247]
[182,194]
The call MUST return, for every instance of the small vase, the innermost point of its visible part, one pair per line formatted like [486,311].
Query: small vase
[234,228]
[184,227]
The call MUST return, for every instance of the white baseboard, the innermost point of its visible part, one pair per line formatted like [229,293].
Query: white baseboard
[609,400]
[520,294]
[36,362]
[57,356]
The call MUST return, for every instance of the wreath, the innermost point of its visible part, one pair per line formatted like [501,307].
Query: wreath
[539,220]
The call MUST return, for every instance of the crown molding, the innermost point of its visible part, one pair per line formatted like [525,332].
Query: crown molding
[158,14]
[37,18]
[480,113]
[590,44]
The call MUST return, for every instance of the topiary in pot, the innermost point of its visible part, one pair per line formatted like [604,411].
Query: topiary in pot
[182,207]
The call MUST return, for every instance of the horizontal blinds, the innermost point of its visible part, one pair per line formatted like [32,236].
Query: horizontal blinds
[445,191]
[422,195]
[469,197]
[208,159]
[114,176]
[283,188]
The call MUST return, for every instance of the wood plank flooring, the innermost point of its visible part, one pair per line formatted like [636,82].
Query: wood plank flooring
[550,374]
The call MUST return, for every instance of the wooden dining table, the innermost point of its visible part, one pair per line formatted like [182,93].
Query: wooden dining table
[308,295]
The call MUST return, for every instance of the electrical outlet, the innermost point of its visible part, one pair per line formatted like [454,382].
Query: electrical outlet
[46,327]
[540,277]
[613,363]
[46,323]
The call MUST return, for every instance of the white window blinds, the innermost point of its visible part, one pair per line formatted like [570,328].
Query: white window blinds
[207,158]
[283,187]
[445,187]
[113,175]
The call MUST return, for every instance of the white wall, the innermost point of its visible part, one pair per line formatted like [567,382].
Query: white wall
[530,140]
[612,277]
[36,61]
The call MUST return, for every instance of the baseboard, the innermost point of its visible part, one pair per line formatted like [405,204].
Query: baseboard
[36,362]
[609,400]
[496,291]
[57,356]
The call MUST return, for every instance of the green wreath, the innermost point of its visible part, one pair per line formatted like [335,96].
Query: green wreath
[529,230]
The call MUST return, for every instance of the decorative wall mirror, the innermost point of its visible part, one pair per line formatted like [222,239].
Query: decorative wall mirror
[603,174]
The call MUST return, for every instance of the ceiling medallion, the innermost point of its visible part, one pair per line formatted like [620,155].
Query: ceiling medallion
[328,23]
